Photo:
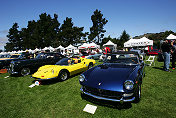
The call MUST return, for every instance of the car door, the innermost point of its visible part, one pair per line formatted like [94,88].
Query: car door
[83,65]
[77,68]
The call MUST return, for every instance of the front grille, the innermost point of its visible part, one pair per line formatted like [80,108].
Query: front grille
[11,67]
[103,93]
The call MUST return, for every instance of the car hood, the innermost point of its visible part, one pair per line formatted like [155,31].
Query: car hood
[110,76]
[5,58]
[47,71]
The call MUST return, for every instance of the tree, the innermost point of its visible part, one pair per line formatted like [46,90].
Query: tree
[97,30]
[41,33]
[47,29]
[106,39]
[123,38]
[70,34]
[14,40]
[29,36]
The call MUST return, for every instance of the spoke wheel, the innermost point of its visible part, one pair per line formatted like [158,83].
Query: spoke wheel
[25,71]
[63,75]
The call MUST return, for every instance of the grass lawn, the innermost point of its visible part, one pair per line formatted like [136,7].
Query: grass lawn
[63,99]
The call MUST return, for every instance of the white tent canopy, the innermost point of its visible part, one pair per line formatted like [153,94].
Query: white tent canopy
[36,49]
[60,47]
[70,47]
[130,43]
[144,42]
[85,45]
[46,48]
[138,42]
[171,36]
[111,45]
[91,45]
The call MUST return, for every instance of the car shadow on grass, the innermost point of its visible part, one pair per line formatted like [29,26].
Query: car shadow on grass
[114,105]
[159,68]
[54,81]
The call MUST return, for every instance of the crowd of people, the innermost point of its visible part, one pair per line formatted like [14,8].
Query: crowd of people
[168,48]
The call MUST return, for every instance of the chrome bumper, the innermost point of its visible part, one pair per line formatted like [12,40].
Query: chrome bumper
[12,72]
[108,99]
[38,79]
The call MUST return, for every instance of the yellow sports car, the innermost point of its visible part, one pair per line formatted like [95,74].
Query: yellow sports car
[63,69]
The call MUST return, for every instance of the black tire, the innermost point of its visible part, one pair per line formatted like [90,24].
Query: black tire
[90,65]
[63,75]
[138,94]
[25,71]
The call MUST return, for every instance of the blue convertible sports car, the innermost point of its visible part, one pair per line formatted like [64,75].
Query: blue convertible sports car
[118,79]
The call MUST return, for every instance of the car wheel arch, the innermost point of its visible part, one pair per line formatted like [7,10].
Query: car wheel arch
[23,68]
[62,71]
[91,63]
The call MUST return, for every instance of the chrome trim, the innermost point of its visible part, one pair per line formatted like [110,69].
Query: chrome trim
[43,79]
[13,73]
[108,99]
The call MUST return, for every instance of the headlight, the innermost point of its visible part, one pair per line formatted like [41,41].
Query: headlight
[81,78]
[129,84]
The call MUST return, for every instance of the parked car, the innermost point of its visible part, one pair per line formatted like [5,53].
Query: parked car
[9,56]
[118,79]
[25,67]
[93,56]
[5,62]
[63,69]
[140,52]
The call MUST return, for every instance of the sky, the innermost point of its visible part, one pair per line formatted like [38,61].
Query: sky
[135,16]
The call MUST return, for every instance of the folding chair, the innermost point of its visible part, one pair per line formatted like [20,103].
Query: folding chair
[151,60]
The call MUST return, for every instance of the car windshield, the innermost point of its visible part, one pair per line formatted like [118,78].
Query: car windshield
[15,56]
[122,59]
[63,61]
[3,56]
[41,56]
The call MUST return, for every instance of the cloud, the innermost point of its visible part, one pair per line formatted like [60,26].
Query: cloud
[4,32]
[3,41]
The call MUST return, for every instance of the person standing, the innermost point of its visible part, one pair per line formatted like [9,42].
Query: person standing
[173,52]
[166,49]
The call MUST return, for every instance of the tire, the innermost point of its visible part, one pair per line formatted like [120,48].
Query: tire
[90,65]
[25,71]
[63,75]
[138,94]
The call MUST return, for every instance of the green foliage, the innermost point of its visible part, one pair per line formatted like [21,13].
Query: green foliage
[106,39]
[43,33]
[123,38]
[14,40]
[70,34]
[97,30]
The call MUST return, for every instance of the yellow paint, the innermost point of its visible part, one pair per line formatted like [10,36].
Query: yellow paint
[51,71]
